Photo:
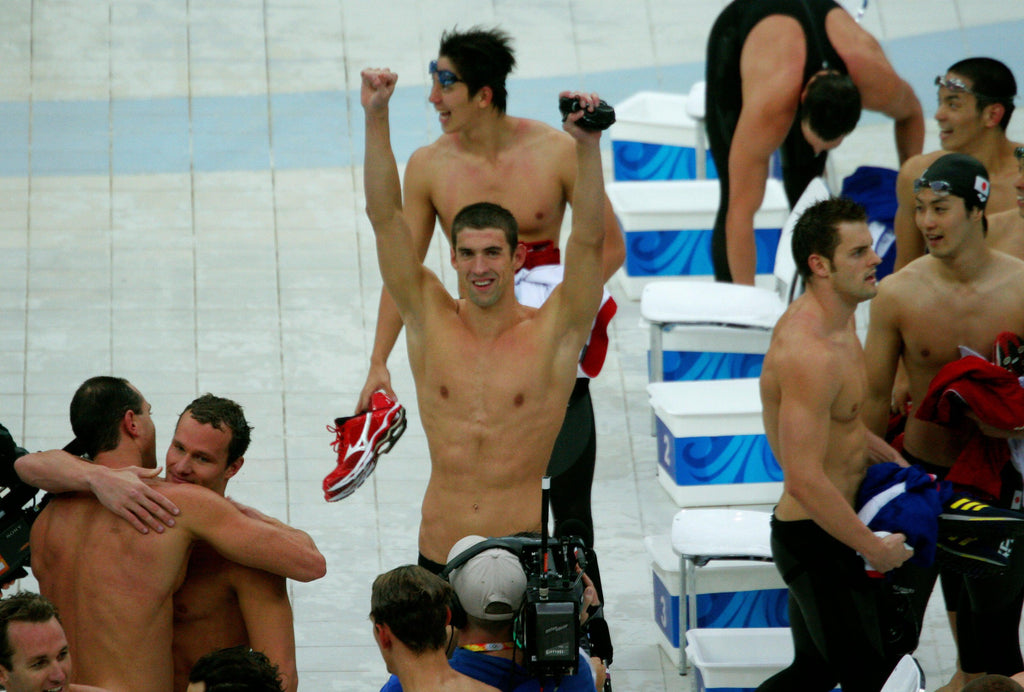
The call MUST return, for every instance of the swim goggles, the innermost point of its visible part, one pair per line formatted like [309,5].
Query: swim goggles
[957,86]
[445,78]
[939,187]
[1019,153]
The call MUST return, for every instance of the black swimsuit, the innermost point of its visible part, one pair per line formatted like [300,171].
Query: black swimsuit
[724,98]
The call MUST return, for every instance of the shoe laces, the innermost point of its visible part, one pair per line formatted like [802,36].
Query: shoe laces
[338,430]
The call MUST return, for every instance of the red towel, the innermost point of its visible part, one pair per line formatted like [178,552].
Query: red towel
[997,399]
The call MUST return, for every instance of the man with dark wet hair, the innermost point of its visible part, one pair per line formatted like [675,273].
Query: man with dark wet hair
[411,610]
[790,75]
[812,390]
[527,167]
[233,669]
[960,294]
[975,105]
[115,586]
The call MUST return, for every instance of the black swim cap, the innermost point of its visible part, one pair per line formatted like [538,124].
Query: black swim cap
[960,175]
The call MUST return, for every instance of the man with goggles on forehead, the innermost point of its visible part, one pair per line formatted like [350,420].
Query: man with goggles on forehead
[962,293]
[790,75]
[527,167]
[976,98]
[1006,229]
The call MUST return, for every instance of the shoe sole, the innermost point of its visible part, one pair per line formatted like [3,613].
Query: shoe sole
[984,528]
[969,564]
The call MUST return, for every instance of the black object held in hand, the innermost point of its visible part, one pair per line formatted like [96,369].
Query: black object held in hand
[601,118]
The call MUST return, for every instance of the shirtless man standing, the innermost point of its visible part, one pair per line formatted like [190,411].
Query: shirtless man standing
[812,389]
[523,165]
[527,167]
[789,75]
[1006,228]
[961,293]
[114,585]
[222,603]
[492,376]
[975,105]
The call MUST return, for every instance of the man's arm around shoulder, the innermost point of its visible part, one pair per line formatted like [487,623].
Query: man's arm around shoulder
[123,491]
[247,537]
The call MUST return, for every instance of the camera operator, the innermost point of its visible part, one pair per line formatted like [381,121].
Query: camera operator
[491,587]
[489,592]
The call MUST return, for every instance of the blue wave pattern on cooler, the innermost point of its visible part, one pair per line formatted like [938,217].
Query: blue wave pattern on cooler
[717,460]
[766,608]
[649,161]
[687,252]
[709,365]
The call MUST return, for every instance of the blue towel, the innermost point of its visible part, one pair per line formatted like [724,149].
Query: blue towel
[904,500]
[875,189]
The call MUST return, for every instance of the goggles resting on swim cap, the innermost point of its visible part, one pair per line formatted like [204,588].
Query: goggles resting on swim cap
[957,86]
[445,78]
[939,187]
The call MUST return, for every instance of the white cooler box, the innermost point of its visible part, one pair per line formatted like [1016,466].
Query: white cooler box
[712,450]
[711,353]
[724,598]
[668,225]
[737,659]
[654,138]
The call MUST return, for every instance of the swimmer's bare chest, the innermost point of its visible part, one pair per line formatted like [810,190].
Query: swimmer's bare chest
[528,186]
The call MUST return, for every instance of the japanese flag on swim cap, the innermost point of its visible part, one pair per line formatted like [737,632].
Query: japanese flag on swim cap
[966,176]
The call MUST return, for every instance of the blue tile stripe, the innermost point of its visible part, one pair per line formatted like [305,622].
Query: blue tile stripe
[324,129]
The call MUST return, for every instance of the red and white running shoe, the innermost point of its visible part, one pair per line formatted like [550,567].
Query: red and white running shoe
[359,441]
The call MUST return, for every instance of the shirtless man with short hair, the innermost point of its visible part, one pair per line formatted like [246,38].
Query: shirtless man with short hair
[1006,228]
[961,293]
[813,386]
[975,105]
[523,165]
[114,585]
[492,376]
[527,167]
[222,603]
